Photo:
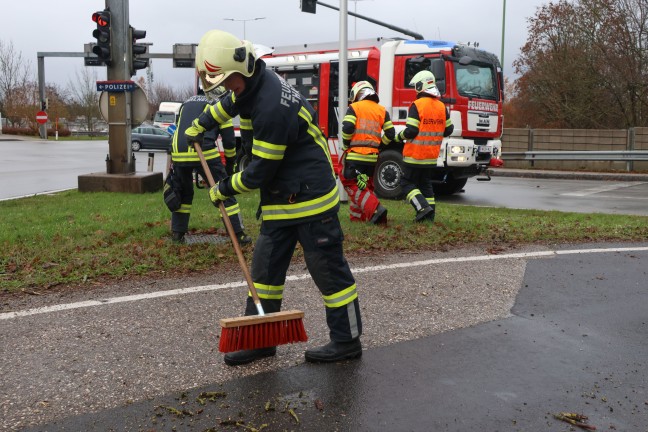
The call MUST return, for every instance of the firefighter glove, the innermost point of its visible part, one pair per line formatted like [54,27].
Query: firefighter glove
[362,180]
[215,195]
[194,133]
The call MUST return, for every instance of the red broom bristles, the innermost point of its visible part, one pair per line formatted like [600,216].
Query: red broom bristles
[262,335]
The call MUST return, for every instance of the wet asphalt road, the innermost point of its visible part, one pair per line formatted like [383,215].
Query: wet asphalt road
[568,334]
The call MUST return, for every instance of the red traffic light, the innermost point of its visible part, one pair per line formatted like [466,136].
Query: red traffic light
[101,18]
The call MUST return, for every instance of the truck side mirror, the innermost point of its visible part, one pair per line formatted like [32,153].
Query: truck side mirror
[438,69]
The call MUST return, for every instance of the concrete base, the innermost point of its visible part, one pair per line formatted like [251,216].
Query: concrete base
[138,182]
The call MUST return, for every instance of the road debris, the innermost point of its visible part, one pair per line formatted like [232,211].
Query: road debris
[575,419]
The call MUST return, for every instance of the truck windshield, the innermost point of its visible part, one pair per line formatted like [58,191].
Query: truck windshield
[164,117]
[477,81]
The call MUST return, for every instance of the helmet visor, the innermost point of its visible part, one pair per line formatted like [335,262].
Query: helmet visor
[211,80]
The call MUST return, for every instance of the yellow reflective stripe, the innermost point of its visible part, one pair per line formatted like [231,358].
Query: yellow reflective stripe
[430,201]
[412,122]
[413,161]
[301,209]
[268,292]
[341,298]
[219,114]
[303,112]
[412,194]
[388,125]
[191,156]
[362,157]
[350,118]
[267,150]
[347,136]
[448,122]
[227,124]
[230,153]
[232,210]
[184,208]
[315,132]
[237,183]
[246,124]
[174,142]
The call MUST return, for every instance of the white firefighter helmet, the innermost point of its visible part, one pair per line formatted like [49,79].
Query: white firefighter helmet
[361,90]
[424,81]
[219,55]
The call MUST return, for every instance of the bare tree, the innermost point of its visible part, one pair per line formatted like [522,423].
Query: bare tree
[84,95]
[165,93]
[14,76]
[584,64]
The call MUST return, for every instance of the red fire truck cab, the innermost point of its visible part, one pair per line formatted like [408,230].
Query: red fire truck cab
[469,79]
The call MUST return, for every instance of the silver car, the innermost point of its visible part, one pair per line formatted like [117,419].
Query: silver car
[150,138]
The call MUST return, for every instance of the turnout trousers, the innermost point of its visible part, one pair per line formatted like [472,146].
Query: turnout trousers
[180,218]
[362,203]
[321,241]
[417,186]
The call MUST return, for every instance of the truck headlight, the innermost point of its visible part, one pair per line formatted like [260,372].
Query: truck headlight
[457,149]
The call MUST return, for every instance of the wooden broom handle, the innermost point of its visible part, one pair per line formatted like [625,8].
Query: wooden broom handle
[229,227]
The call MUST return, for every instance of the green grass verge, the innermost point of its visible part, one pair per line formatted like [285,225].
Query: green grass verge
[81,238]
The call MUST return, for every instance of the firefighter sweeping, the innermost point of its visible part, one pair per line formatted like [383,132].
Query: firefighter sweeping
[299,201]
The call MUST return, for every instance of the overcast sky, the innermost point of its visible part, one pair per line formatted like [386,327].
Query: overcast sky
[65,25]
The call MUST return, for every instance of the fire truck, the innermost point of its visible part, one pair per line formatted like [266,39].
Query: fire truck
[470,81]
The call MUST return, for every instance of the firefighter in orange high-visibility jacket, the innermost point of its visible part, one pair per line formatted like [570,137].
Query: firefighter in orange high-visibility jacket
[428,122]
[362,137]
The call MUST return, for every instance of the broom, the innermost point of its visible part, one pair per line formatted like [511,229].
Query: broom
[253,331]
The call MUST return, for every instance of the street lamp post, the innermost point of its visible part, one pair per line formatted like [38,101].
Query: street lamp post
[244,21]
[503,29]
[355,20]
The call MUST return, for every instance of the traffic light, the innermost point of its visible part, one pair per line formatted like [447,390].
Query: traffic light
[308,6]
[103,35]
[137,50]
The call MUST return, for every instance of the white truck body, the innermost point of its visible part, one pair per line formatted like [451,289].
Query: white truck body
[167,114]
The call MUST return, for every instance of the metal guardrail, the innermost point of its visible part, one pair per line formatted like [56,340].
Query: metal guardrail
[592,155]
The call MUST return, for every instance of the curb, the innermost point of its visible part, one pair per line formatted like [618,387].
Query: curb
[570,175]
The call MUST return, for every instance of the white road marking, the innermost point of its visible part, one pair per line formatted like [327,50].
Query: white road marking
[36,194]
[191,290]
[604,188]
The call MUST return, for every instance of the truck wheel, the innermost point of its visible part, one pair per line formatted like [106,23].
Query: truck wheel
[451,186]
[387,175]
[136,146]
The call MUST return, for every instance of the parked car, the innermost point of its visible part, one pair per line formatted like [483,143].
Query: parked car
[150,137]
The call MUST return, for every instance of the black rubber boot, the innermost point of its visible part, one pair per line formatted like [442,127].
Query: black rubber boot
[334,351]
[178,237]
[243,238]
[423,214]
[430,217]
[379,216]
[242,357]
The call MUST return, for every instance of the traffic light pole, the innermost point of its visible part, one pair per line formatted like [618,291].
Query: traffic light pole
[114,48]
[120,158]
[41,93]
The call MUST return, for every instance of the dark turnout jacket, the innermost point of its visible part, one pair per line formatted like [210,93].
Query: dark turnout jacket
[291,164]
